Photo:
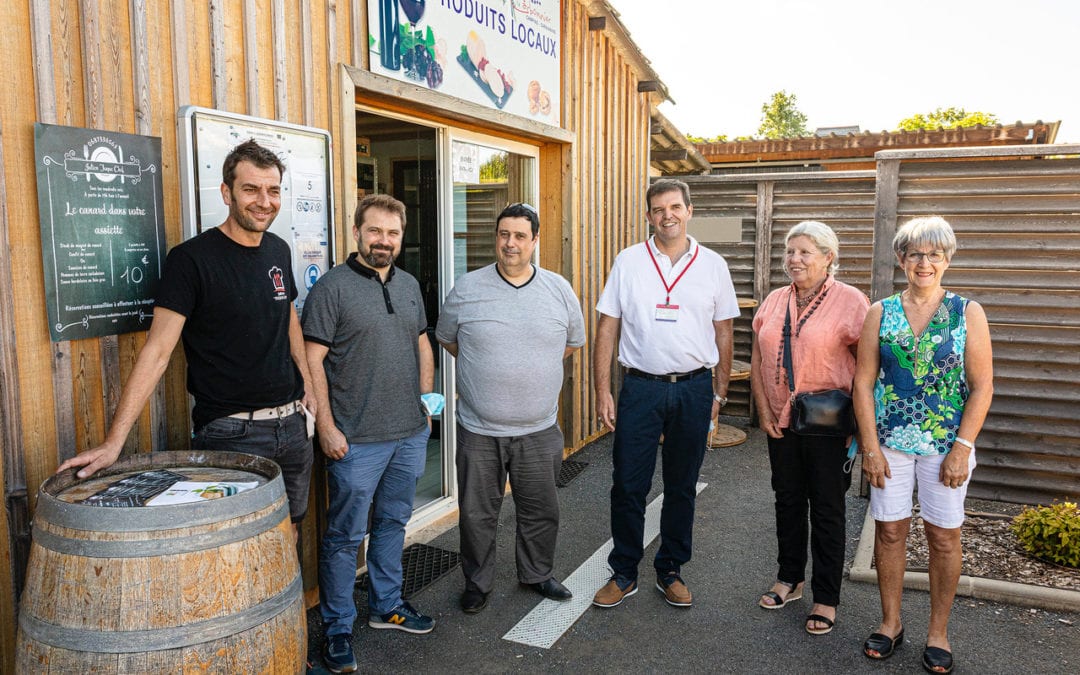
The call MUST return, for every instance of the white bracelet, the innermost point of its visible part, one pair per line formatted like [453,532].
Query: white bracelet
[964,441]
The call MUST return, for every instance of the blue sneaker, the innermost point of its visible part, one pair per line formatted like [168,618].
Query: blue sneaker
[403,617]
[338,654]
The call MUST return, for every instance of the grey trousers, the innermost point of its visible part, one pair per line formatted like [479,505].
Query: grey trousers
[533,463]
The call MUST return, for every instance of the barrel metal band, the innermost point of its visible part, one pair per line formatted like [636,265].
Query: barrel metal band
[145,548]
[133,641]
[150,518]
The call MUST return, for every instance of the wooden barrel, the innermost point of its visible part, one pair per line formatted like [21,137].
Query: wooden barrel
[212,586]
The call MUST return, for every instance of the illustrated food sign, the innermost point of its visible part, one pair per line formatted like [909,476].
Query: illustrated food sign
[498,53]
[207,136]
[102,229]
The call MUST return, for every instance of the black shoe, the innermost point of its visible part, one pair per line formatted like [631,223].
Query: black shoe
[473,601]
[880,646]
[937,660]
[552,589]
[338,654]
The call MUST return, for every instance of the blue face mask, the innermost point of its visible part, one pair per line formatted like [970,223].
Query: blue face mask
[433,403]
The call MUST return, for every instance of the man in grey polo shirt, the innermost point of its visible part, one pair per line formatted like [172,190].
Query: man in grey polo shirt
[510,325]
[366,339]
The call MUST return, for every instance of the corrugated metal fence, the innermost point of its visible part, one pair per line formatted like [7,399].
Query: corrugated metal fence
[1017,219]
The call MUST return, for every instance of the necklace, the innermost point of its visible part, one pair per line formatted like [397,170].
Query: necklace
[817,299]
[802,302]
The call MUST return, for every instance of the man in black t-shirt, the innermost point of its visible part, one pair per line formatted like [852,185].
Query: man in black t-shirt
[229,294]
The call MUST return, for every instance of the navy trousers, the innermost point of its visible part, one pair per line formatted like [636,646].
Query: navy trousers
[648,408]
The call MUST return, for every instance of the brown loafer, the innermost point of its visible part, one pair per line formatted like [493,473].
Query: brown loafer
[613,594]
[674,589]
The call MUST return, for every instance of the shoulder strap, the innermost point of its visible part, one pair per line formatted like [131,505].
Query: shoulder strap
[787,347]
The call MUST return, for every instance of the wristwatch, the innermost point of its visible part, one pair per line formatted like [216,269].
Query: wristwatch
[722,400]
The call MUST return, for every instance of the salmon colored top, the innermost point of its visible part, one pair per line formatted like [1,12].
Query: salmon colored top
[822,342]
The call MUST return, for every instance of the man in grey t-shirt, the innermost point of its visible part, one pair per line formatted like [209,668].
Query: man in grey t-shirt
[510,325]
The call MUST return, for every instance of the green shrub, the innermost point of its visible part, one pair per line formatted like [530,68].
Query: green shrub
[1051,533]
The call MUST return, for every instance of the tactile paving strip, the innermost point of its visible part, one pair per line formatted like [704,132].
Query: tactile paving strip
[569,471]
[422,565]
[547,622]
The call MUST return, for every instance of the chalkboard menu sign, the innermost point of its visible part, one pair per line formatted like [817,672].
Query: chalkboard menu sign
[102,229]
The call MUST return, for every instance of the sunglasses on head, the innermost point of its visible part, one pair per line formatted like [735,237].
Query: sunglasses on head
[528,207]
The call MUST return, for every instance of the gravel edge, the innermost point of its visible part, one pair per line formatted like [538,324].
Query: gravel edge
[1055,599]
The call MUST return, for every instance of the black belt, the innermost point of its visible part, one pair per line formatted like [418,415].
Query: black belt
[669,377]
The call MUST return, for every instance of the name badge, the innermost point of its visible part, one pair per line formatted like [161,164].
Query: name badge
[667,312]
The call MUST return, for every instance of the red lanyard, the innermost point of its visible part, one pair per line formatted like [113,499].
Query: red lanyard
[667,288]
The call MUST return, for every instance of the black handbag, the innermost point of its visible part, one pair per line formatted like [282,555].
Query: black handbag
[818,413]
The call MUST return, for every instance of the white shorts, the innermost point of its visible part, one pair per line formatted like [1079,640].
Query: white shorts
[941,506]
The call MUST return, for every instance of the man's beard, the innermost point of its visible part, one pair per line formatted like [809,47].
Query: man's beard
[245,222]
[378,257]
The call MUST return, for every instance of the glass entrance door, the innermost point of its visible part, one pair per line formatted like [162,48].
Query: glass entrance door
[486,179]
[453,183]
[401,158]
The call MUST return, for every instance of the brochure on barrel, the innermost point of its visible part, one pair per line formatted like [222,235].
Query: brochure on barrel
[163,487]
[135,490]
[196,491]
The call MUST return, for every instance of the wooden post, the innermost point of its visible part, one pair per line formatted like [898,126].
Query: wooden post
[140,58]
[281,89]
[251,59]
[16,500]
[219,76]
[763,240]
[886,200]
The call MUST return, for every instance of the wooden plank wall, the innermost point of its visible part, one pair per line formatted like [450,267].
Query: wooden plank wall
[1017,224]
[611,118]
[1018,229]
[127,66]
[769,205]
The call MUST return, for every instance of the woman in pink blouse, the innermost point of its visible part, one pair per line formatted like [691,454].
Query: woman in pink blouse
[808,473]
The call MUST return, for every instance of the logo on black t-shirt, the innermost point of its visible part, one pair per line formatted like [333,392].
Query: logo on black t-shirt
[278,277]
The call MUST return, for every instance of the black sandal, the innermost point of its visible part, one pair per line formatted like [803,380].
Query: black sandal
[883,645]
[778,602]
[829,623]
[936,657]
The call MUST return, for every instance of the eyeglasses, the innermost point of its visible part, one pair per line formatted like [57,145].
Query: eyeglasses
[528,207]
[918,256]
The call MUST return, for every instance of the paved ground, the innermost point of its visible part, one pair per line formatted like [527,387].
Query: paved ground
[725,631]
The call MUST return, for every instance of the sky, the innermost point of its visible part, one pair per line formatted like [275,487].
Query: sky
[869,63]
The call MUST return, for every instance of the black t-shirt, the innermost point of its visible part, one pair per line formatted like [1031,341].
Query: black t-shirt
[238,301]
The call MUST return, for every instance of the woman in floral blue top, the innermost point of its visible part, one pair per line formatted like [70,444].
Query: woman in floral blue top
[923,385]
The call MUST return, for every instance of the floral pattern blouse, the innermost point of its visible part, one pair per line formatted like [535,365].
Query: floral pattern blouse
[922,386]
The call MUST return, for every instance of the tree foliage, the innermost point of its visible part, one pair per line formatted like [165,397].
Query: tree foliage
[719,138]
[495,169]
[946,118]
[780,118]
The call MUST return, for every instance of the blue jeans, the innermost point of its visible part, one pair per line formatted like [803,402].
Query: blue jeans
[647,408]
[380,477]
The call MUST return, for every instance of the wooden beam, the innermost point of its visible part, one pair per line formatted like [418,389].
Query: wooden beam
[597,22]
[443,106]
[649,85]
[675,155]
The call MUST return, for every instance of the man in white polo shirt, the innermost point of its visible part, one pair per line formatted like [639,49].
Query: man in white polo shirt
[673,302]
